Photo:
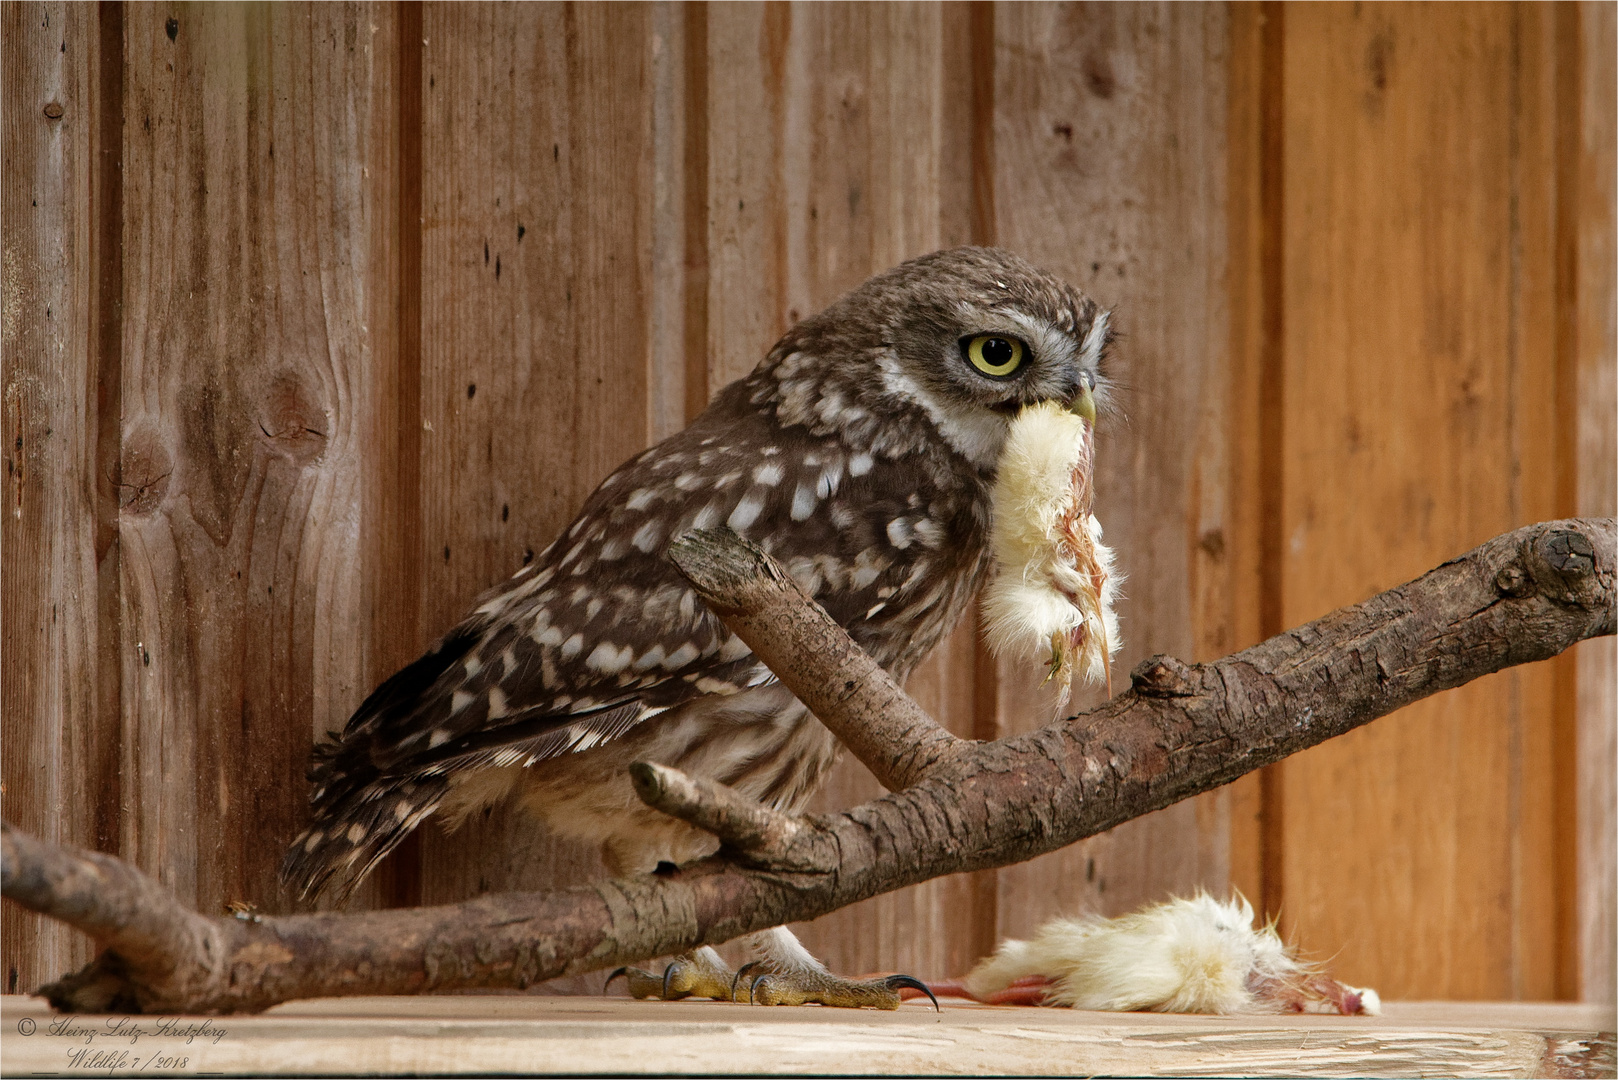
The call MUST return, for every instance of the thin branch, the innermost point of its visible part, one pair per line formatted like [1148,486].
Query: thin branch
[746,828]
[1181,729]
[814,657]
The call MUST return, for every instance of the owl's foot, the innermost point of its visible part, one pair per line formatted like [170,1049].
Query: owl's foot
[804,986]
[696,974]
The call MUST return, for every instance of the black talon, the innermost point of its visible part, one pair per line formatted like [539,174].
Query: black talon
[752,991]
[894,982]
[624,971]
[667,972]
[736,978]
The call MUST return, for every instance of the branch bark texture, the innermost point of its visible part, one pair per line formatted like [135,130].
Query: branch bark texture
[1180,730]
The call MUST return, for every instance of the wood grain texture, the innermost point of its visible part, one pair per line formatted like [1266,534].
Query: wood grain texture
[540,132]
[1232,563]
[1109,164]
[244,419]
[1419,398]
[513,1035]
[58,685]
[1597,491]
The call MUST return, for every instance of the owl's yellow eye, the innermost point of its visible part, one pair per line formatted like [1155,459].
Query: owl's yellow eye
[997,357]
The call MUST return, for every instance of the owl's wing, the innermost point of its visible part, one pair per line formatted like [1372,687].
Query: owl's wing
[603,633]
[600,634]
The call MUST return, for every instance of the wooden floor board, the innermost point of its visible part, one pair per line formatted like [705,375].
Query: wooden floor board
[515,1035]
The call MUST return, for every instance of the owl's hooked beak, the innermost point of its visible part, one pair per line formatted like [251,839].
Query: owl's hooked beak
[1084,402]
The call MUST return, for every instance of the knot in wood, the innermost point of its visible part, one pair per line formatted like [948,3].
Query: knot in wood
[53,110]
[1513,580]
[1562,563]
[1163,676]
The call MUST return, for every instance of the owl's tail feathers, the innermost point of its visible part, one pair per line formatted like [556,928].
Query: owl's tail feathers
[356,825]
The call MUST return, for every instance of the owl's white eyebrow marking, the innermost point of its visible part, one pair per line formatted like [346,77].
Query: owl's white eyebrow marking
[608,659]
[899,534]
[860,464]
[647,535]
[497,703]
[680,657]
[804,501]
[1090,350]
[459,700]
[640,499]
[747,511]
[571,647]
[440,737]
[769,474]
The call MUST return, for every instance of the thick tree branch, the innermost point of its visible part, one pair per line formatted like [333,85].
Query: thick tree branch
[1180,730]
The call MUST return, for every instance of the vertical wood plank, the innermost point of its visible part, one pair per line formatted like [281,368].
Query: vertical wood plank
[1540,792]
[1405,850]
[58,706]
[544,154]
[1597,494]
[1109,164]
[245,416]
[1252,417]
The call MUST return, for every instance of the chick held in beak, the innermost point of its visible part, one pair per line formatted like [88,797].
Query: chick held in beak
[1051,597]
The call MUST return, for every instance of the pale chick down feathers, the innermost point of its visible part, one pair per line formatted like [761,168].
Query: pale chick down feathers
[1054,580]
[1188,955]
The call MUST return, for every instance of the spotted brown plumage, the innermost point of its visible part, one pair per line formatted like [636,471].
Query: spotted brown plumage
[860,453]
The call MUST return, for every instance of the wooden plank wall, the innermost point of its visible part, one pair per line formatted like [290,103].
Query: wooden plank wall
[1414,374]
[318,320]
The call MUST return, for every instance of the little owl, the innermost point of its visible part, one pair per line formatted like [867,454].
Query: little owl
[861,454]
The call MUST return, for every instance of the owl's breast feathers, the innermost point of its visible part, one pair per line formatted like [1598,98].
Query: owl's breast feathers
[854,494]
